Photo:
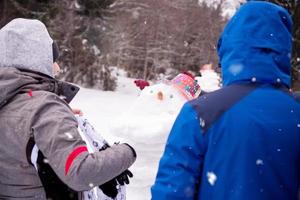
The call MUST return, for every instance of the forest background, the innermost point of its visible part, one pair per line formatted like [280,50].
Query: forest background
[150,39]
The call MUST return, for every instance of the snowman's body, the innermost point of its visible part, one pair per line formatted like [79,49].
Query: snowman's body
[146,127]
[209,80]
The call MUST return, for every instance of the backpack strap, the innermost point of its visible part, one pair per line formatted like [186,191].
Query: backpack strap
[32,152]
[55,189]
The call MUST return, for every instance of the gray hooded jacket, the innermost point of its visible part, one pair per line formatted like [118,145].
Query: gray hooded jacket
[30,106]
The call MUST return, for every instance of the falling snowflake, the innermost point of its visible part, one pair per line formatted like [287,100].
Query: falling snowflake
[69,135]
[253,79]
[278,80]
[84,41]
[235,69]
[186,43]
[45,161]
[298,125]
[91,185]
[259,162]
[278,150]
[212,178]
[202,122]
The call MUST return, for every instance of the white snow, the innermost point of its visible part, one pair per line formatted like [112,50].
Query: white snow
[69,135]
[229,7]
[212,178]
[236,69]
[259,162]
[209,80]
[141,119]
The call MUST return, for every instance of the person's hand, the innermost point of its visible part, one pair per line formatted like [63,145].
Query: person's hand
[77,111]
[124,177]
[110,188]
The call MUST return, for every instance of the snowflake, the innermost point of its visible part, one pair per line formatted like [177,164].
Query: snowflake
[259,162]
[69,135]
[235,69]
[91,185]
[202,122]
[278,80]
[212,178]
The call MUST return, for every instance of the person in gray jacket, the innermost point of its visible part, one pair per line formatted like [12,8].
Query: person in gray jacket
[34,109]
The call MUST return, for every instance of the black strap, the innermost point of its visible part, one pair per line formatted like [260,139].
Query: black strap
[29,148]
[55,189]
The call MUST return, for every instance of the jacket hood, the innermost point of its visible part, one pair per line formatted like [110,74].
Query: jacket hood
[15,81]
[255,45]
[26,44]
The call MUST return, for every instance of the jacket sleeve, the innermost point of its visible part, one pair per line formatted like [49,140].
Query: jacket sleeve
[54,128]
[179,171]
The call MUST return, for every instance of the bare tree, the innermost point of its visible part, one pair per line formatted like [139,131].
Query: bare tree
[160,34]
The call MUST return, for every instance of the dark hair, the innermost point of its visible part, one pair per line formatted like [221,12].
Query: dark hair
[55,51]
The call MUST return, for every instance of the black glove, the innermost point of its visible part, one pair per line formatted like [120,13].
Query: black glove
[110,188]
[124,177]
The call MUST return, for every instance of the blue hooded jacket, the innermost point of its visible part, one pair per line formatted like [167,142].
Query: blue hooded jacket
[242,141]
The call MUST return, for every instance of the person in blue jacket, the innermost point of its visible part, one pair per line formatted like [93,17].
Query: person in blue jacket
[242,141]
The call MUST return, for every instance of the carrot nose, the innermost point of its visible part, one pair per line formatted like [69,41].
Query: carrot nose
[160,96]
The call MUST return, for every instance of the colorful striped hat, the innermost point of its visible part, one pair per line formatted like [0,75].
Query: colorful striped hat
[187,86]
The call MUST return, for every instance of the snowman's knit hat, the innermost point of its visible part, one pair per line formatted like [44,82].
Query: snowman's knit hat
[187,86]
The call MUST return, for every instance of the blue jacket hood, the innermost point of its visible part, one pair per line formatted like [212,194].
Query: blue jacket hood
[256,45]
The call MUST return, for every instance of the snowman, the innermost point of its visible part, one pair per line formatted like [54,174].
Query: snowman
[146,126]
[209,79]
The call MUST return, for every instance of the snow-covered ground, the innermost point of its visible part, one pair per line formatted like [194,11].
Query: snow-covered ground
[142,119]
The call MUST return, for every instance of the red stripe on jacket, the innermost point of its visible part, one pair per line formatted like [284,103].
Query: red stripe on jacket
[72,157]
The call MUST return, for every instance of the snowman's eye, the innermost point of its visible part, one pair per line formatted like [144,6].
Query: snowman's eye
[171,96]
[151,91]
